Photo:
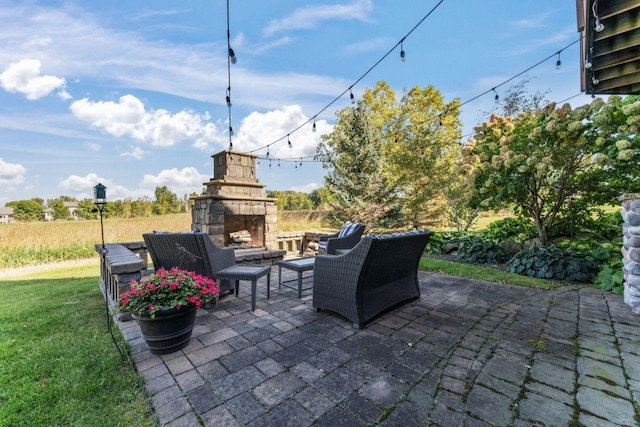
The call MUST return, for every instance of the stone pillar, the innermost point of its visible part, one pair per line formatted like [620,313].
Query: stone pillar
[631,249]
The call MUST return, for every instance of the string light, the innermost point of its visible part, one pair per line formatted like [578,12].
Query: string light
[313,128]
[598,25]
[402,54]
[289,142]
[558,62]
[267,151]
[594,80]
[352,97]
[231,59]
[360,78]
[232,56]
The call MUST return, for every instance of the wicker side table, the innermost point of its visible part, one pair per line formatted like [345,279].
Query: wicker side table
[247,272]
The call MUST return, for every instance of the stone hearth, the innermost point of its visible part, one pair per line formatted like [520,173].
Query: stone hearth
[235,201]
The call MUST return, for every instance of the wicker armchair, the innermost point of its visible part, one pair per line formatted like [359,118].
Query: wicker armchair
[330,243]
[190,251]
[379,273]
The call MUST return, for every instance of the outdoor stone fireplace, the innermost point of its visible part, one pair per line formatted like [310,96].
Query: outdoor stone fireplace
[234,202]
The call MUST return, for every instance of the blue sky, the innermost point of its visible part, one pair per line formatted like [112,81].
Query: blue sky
[132,94]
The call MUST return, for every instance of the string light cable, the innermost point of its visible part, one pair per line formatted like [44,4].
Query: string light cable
[349,89]
[400,43]
[231,58]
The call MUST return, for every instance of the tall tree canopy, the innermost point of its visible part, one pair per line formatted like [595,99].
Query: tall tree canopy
[353,154]
[389,161]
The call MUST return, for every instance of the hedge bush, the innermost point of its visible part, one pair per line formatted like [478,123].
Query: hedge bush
[553,263]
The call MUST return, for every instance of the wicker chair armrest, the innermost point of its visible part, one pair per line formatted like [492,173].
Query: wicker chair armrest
[325,237]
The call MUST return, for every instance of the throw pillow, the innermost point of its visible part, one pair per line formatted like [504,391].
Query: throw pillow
[348,229]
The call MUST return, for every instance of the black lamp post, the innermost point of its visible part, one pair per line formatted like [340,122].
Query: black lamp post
[100,200]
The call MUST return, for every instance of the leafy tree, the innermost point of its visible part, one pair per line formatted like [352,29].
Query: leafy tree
[352,153]
[291,200]
[141,208]
[321,198]
[421,149]
[619,141]
[166,201]
[543,162]
[60,211]
[517,99]
[87,209]
[27,210]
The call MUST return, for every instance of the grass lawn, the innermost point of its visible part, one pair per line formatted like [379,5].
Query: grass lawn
[58,363]
[484,273]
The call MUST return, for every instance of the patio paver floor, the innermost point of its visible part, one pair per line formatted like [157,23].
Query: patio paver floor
[466,353]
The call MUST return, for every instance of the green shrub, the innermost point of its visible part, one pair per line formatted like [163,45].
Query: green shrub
[438,240]
[515,229]
[610,277]
[606,226]
[475,251]
[553,263]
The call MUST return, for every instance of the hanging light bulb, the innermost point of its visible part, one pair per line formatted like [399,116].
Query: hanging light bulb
[353,98]
[230,131]
[598,27]
[587,62]
[558,62]
[278,162]
[594,80]
[402,54]
[230,145]
[269,163]
[301,163]
[232,56]
[289,142]
[496,98]
[313,128]
[228,101]
[267,151]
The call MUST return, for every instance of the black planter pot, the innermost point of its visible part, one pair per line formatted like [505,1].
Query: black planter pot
[169,331]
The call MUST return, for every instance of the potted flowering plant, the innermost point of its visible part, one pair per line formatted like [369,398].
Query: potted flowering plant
[165,304]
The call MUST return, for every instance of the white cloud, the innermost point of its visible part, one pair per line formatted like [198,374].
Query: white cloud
[128,117]
[11,173]
[92,146]
[136,153]
[308,188]
[75,43]
[258,130]
[311,16]
[64,95]
[82,187]
[24,77]
[180,182]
